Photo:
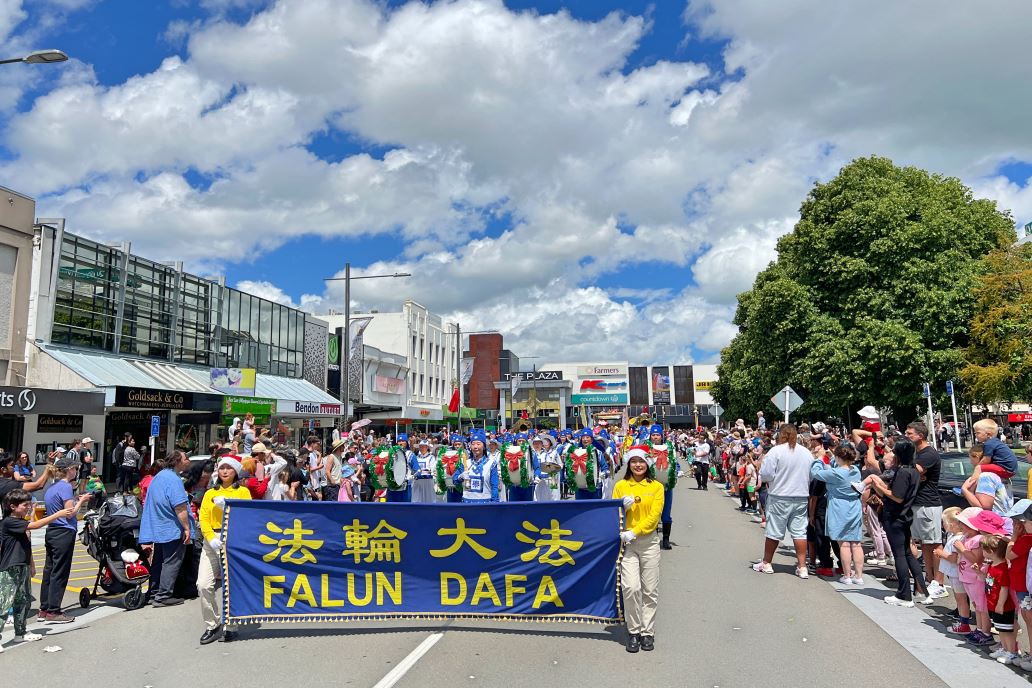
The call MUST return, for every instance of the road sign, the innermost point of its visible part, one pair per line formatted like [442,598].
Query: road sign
[927,391]
[718,410]
[787,400]
[155,426]
[949,387]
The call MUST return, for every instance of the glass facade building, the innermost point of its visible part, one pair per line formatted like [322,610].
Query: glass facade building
[111,300]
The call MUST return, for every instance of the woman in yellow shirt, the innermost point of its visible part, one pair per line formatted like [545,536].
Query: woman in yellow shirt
[209,572]
[639,570]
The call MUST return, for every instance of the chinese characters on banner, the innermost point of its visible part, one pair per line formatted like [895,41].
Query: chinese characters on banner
[296,561]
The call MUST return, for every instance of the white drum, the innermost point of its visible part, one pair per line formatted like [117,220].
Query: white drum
[513,461]
[581,459]
[450,463]
[400,468]
[661,462]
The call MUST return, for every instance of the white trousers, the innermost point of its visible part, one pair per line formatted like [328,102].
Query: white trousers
[209,578]
[639,577]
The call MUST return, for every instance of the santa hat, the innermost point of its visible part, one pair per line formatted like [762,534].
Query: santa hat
[637,452]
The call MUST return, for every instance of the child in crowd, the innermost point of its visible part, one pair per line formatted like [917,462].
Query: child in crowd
[969,547]
[94,483]
[948,564]
[1017,557]
[997,457]
[998,597]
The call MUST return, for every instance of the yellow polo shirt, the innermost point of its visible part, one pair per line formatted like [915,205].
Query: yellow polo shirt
[644,515]
[210,515]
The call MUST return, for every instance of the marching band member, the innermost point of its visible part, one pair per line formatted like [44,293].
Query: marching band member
[518,470]
[450,461]
[548,469]
[404,494]
[479,479]
[583,461]
[607,450]
[663,462]
[423,486]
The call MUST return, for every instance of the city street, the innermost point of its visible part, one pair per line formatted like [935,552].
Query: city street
[719,624]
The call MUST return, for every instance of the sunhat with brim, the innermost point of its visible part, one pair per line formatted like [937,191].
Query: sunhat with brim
[984,521]
[1021,511]
[868,412]
[347,471]
[342,442]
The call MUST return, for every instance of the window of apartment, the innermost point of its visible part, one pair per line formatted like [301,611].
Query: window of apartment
[421,392]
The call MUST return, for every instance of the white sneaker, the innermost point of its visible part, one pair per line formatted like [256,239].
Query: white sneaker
[845,580]
[936,591]
[28,637]
[1025,663]
[1007,657]
[997,652]
[896,602]
[922,599]
[858,581]
[802,573]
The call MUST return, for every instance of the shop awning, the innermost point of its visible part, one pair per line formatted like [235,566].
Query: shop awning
[292,389]
[108,370]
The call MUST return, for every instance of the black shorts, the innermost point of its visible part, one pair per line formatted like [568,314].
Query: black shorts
[1003,622]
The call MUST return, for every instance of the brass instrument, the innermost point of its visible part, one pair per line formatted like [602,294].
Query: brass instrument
[522,425]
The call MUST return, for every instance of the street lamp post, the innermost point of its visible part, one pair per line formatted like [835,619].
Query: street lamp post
[38,57]
[345,359]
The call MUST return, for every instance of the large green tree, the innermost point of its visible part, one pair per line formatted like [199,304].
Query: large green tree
[871,294]
[998,359]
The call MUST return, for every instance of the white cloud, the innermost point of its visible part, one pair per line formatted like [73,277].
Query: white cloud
[604,167]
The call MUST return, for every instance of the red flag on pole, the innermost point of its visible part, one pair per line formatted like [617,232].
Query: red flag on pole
[453,405]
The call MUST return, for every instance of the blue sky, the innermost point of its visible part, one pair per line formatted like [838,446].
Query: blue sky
[534,188]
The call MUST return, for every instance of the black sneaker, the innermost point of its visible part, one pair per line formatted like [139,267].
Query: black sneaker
[211,635]
[167,602]
[648,643]
[633,643]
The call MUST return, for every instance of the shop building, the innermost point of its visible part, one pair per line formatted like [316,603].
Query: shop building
[428,346]
[147,335]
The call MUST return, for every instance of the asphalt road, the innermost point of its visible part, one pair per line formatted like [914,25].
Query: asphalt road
[719,625]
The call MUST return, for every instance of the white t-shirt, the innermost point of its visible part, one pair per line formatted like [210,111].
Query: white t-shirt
[787,471]
[702,452]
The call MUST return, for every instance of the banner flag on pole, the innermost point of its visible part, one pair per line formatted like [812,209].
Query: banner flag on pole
[467,370]
[326,562]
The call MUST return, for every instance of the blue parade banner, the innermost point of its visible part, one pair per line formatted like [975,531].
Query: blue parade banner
[329,561]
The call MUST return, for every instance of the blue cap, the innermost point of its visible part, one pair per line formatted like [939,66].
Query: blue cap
[478,435]
[403,437]
[656,430]
[604,434]
[521,436]
[585,433]
[553,432]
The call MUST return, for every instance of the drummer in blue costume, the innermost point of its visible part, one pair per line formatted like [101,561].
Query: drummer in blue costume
[516,454]
[479,476]
[494,454]
[595,467]
[423,485]
[403,454]
[666,475]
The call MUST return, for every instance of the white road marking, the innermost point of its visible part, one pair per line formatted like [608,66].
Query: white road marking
[402,667]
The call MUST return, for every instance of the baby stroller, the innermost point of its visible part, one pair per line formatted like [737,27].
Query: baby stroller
[110,532]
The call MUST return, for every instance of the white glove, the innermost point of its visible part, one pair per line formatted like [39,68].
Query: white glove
[626,536]
[219,501]
[628,502]
[215,543]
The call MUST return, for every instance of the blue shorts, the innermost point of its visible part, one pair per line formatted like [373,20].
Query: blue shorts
[786,514]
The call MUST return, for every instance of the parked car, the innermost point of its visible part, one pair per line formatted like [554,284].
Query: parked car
[956,468]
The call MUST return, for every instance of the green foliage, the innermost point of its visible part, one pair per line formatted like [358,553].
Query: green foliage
[871,294]
[997,361]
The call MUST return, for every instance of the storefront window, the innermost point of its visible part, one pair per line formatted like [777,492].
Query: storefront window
[169,315]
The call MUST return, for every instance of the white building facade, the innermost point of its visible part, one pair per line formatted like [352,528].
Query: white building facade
[425,347]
